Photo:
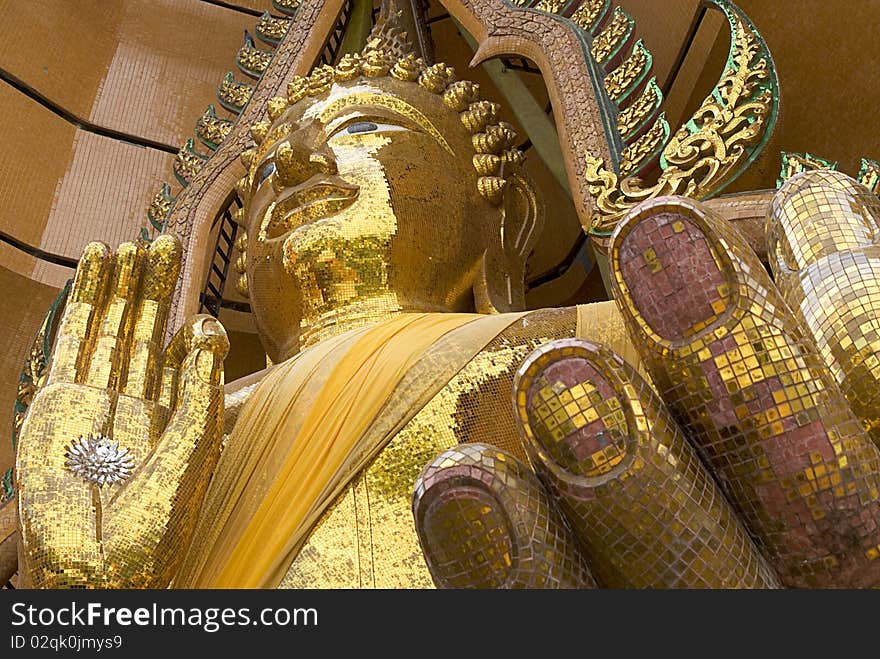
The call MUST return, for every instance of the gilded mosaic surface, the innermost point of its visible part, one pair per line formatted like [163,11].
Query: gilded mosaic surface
[823,229]
[497,457]
[127,511]
[748,385]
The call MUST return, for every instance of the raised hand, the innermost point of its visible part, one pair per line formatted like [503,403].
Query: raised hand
[117,447]
[746,390]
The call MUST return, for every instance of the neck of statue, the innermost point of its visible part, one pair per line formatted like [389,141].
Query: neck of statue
[338,296]
[344,285]
[330,319]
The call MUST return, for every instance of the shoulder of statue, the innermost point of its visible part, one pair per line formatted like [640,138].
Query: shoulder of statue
[537,326]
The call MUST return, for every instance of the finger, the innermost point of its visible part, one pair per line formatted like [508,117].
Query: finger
[199,331]
[485,521]
[182,460]
[148,334]
[634,491]
[819,223]
[111,343]
[746,385]
[175,352]
[71,350]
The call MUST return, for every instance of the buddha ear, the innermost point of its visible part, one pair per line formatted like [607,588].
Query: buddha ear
[500,286]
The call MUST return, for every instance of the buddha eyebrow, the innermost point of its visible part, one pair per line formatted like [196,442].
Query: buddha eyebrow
[396,105]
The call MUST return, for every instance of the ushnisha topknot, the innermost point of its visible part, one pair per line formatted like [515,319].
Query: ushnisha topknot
[388,54]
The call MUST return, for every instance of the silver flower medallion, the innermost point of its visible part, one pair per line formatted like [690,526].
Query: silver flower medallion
[98,460]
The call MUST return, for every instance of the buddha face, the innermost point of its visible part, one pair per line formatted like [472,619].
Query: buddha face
[364,196]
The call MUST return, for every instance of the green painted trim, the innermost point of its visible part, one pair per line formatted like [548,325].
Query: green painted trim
[8,486]
[212,114]
[267,38]
[771,82]
[251,46]
[600,17]
[822,163]
[189,147]
[661,146]
[159,223]
[631,25]
[870,181]
[234,109]
[650,116]
[639,45]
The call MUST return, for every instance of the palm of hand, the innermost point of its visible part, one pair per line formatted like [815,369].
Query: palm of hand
[118,443]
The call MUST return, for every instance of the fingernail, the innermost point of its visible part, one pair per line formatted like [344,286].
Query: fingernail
[671,273]
[576,417]
[484,520]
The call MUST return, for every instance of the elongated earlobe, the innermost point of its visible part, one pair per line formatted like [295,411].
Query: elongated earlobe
[500,284]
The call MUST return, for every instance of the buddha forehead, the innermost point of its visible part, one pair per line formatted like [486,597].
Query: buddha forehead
[395,95]
[379,99]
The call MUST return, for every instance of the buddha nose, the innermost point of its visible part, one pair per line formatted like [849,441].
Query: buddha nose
[301,157]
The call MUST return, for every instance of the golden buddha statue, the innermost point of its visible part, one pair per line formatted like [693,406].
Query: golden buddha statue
[686,434]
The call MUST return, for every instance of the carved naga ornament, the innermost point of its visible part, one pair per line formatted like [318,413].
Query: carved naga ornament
[722,138]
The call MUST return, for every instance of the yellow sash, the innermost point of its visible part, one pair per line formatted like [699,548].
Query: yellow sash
[306,432]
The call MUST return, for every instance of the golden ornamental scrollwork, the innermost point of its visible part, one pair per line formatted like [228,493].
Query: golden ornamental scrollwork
[211,129]
[869,175]
[621,80]
[188,162]
[722,137]
[271,29]
[252,60]
[288,7]
[638,113]
[796,163]
[551,6]
[233,95]
[610,39]
[588,14]
[160,207]
[644,148]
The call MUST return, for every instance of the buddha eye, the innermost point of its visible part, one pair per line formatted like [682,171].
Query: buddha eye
[367,127]
[362,127]
[266,172]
